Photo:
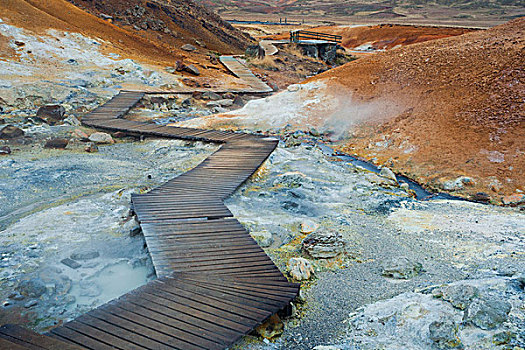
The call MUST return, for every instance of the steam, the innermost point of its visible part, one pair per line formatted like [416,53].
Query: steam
[350,113]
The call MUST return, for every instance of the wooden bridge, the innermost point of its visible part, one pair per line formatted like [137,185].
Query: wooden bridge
[299,36]
[215,283]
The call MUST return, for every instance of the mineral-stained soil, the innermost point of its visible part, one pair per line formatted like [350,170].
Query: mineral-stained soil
[447,112]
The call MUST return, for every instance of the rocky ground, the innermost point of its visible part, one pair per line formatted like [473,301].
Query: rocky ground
[382,270]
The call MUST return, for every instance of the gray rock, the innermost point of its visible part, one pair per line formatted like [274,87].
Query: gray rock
[192,69]
[460,296]
[264,238]
[300,269]
[238,101]
[401,268]
[220,103]
[211,96]
[188,47]
[444,334]
[324,244]
[70,263]
[56,143]
[291,179]
[487,313]
[91,148]
[31,288]
[186,103]
[5,150]
[30,303]
[387,174]
[11,132]
[101,138]
[72,120]
[53,114]
[87,255]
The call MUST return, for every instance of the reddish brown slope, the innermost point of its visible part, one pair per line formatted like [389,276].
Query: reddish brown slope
[464,108]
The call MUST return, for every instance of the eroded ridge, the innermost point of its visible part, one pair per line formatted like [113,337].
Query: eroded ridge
[215,283]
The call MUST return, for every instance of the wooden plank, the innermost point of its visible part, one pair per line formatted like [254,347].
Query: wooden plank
[33,340]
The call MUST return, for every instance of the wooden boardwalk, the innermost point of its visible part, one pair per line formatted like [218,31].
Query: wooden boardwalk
[241,71]
[215,283]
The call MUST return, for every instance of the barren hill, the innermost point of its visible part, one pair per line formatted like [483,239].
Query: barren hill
[171,22]
[447,112]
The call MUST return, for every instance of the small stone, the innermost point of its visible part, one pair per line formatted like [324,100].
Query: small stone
[53,114]
[16,296]
[30,303]
[70,263]
[388,174]
[56,143]
[460,296]
[186,103]
[192,69]
[481,197]
[135,230]
[31,288]
[300,269]
[80,134]
[293,88]
[444,334]
[513,200]
[220,103]
[88,255]
[210,96]
[264,238]
[238,101]
[101,138]
[401,268]
[72,120]
[91,148]
[308,226]
[188,47]
[404,186]
[314,132]
[487,313]
[324,244]
[502,338]
[11,132]
[119,134]
[5,150]
[271,328]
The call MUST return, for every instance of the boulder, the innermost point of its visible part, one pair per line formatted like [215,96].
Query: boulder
[5,150]
[188,47]
[192,70]
[300,269]
[271,328]
[101,138]
[53,114]
[444,334]
[11,132]
[401,268]
[481,197]
[56,143]
[487,313]
[70,263]
[324,244]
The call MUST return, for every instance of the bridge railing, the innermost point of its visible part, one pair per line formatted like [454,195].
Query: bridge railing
[299,35]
